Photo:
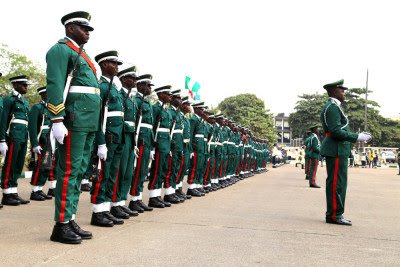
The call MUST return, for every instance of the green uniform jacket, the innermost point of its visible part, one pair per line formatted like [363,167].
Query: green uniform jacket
[115,124]
[130,112]
[81,110]
[20,111]
[212,136]
[177,138]
[335,125]
[146,136]
[306,145]
[187,144]
[38,120]
[314,147]
[197,127]
[223,138]
[162,115]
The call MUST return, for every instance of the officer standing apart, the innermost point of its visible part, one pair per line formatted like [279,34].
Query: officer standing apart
[39,135]
[313,146]
[336,148]
[75,120]
[14,140]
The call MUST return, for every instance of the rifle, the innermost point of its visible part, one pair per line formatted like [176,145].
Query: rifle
[71,75]
[174,123]
[104,112]
[48,155]
[158,121]
[137,128]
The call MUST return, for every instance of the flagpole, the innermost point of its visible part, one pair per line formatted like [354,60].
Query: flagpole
[366,106]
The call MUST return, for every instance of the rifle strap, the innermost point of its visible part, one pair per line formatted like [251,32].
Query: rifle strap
[83,54]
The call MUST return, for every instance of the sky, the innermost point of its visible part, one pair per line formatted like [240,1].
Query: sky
[274,49]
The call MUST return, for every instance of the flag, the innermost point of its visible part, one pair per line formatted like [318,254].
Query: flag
[193,87]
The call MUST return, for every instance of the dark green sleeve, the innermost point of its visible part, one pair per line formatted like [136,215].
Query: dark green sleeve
[100,136]
[332,121]
[314,145]
[34,115]
[7,102]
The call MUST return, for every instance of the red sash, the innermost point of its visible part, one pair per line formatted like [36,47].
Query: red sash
[83,54]
[328,134]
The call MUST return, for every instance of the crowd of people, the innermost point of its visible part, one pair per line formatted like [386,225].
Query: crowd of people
[85,128]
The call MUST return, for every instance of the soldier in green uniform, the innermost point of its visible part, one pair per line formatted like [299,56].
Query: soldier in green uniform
[14,139]
[144,135]
[202,186]
[197,130]
[336,148]
[111,135]
[313,146]
[218,150]
[187,147]
[176,137]
[74,106]
[307,155]
[210,183]
[38,127]
[160,154]
[130,151]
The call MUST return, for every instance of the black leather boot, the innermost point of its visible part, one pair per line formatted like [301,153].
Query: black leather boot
[130,212]
[166,203]
[79,231]
[44,195]
[63,233]
[153,202]
[135,206]
[36,196]
[17,197]
[193,193]
[144,206]
[50,192]
[171,199]
[119,213]
[112,218]
[98,219]
[9,200]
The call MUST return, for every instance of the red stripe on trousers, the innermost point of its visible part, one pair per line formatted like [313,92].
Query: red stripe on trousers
[220,168]
[11,148]
[193,168]
[335,177]
[226,166]
[97,186]
[139,163]
[155,171]
[214,168]
[167,183]
[114,197]
[315,171]
[66,176]
[207,171]
[180,169]
[37,171]
[53,167]
[309,167]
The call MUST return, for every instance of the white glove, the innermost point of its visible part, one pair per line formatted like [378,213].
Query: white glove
[191,155]
[3,148]
[59,131]
[136,152]
[152,155]
[102,152]
[170,154]
[37,150]
[364,137]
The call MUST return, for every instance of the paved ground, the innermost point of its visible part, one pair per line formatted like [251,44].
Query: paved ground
[271,219]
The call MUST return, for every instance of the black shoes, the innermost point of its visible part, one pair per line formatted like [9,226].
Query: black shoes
[172,199]
[144,206]
[9,200]
[193,193]
[36,196]
[17,197]
[117,212]
[85,187]
[99,219]
[44,195]
[112,218]
[341,221]
[130,212]
[314,186]
[166,204]
[50,192]
[135,206]
[155,203]
[64,233]
[79,231]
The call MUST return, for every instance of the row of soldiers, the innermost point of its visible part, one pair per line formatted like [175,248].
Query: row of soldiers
[118,137]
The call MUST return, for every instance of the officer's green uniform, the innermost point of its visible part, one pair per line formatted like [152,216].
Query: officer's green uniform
[208,155]
[38,127]
[145,143]
[336,148]
[307,157]
[15,132]
[218,152]
[224,152]
[314,157]
[176,146]
[230,150]
[81,114]
[105,188]
[187,149]
[126,163]
[197,131]
[162,146]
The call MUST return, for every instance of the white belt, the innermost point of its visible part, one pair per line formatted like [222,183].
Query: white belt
[178,131]
[84,90]
[186,140]
[199,135]
[163,130]
[146,125]
[205,139]
[225,142]
[212,143]
[231,143]
[241,145]
[115,114]
[44,127]
[236,145]
[218,143]
[130,123]
[19,121]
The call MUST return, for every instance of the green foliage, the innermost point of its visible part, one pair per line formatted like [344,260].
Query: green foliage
[249,111]
[13,64]
[386,132]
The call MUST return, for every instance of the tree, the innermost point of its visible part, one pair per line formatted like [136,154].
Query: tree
[249,111]
[13,64]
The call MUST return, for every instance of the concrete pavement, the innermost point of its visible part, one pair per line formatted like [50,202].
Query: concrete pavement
[271,219]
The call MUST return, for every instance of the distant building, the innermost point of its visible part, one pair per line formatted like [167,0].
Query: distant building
[283,129]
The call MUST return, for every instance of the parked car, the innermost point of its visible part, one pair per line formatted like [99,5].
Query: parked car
[390,156]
